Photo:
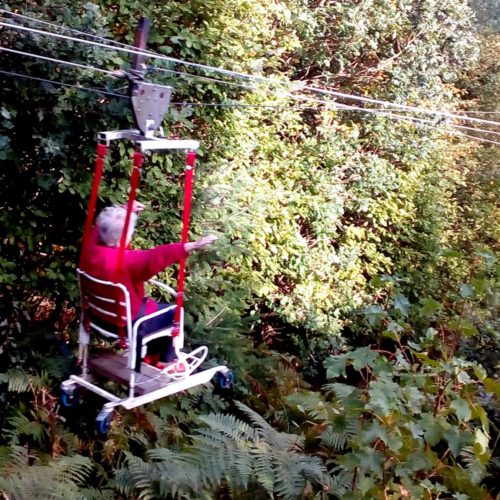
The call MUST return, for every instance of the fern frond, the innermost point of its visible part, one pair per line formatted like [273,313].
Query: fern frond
[229,426]
[160,454]
[342,391]
[18,381]
[95,494]
[313,405]
[123,481]
[281,440]
[39,482]
[76,468]
[339,481]
[475,468]
[263,466]
[139,438]
[335,440]
[21,425]
[242,463]
[55,368]
[256,419]
[211,438]
[14,457]
[289,482]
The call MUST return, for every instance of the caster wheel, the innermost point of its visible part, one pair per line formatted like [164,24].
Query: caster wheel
[103,422]
[225,380]
[69,399]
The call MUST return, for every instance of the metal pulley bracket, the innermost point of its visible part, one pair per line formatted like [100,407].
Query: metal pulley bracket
[150,103]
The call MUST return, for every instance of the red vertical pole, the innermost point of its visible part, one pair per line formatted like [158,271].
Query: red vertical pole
[134,184]
[99,165]
[186,215]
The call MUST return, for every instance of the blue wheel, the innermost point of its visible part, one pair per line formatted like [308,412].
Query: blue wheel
[225,380]
[69,399]
[103,422]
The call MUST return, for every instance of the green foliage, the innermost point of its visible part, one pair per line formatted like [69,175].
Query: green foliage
[309,204]
[58,480]
[335,228]
[250,460]
[411,416]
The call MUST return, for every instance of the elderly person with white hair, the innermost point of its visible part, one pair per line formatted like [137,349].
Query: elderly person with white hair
[138,267]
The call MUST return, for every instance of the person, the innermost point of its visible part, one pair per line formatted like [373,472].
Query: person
[100,260]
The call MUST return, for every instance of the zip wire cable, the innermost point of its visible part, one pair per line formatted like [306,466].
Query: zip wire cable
[340,106]
[59,61]
[413,118]
[80,87]
[154,69]
[368,110]
[127,50]
[345,107]
[199,77]
[444,114]
[180,103]
[98,37]
[385,112]
[61,27]
[186,104]
[426,123]
[154,55]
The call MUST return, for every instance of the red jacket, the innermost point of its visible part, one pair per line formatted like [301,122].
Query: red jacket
[100,261]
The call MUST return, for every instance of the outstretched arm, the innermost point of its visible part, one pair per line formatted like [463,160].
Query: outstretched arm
[144,264]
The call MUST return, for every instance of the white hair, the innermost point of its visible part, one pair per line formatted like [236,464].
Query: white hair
[111,222]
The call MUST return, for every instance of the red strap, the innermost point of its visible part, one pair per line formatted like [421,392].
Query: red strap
[186,215]
[99,164]
[134,184]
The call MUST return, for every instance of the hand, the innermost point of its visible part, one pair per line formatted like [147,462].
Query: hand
[201,243]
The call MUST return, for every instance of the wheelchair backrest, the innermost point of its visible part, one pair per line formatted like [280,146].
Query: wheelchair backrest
[105,306]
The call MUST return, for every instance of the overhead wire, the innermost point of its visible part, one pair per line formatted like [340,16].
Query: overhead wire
[180,103]
[145,52]
[401,118]
[58,61]
[405,107]
[127,50]
[64,84]
[389,114]
[184,74]
[295,86]
[111,73]
[62,27]
[481,112]
[337,105]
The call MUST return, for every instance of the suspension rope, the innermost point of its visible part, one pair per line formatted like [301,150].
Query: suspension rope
[134,185]
[314,89]
[54,82]
[58,61]
[183,74]
[61,27]
[337,108]
[414,119]
[186,216]
[99,165]
[128,50]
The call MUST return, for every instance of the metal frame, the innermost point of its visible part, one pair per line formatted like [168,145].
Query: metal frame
[185,381]
[191,361]
[148,143]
